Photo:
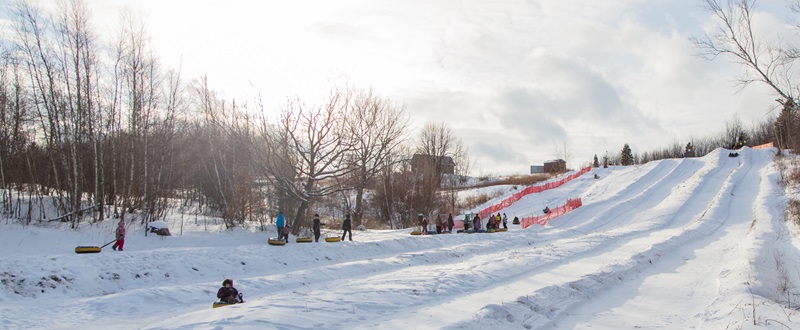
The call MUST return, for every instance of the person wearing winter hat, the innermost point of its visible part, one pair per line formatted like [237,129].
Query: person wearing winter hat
[120,236]
[316,226]
[346,227]
[450,222]
[280,223]
[228,294]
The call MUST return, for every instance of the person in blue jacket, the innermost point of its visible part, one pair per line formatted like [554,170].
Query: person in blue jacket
[280,223]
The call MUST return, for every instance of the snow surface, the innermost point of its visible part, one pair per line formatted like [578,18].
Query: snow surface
[673,244]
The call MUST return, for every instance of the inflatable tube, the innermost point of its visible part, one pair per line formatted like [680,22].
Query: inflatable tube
[446,232]
[501,230]
[87,249]
[416,232]
[432,232]
[489,231]
[304,240]
[333,239]
[218,304]
[275,241]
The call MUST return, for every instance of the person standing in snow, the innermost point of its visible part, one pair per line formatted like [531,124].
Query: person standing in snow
[439,224]
[420,218]
[450,223]
[280,223]
[227,293]
[285,233]
[476,223]
[466,222]
[505,221]
[317,225]
[425,226]
[346,227]
[120,236]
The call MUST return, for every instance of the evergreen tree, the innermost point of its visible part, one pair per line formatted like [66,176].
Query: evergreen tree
[689,151]
[596,163]
[627,156]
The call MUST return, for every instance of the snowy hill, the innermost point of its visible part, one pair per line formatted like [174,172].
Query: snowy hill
[678,243]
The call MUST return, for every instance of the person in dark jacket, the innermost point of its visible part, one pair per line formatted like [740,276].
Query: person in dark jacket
[227,293]
[317,225]
[450,223]
[346,227]
[466,222]
[505,221]
[439,224]
[476,223]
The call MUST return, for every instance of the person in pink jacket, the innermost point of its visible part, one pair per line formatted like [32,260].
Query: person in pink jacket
[120,236]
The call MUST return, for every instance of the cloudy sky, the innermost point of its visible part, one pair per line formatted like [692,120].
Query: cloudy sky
[516,80]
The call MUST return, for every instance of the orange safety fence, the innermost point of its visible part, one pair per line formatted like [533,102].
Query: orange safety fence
[554,213]
[530,190]
[765,146]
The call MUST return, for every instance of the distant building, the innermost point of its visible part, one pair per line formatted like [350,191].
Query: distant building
[550,166]
[555,166]
[420,161]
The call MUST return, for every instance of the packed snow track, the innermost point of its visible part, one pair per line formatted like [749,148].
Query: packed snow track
[672,244]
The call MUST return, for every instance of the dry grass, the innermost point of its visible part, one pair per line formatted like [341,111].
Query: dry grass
[793,211]
[524,180]
[474,201]
[794,175]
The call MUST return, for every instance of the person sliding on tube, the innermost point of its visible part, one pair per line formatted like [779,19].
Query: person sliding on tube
[228,294]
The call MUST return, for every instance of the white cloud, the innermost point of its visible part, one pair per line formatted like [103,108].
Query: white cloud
[514,78]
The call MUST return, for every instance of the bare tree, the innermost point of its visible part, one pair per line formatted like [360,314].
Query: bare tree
[735,36]
[437,147]
[306,151]
[563,151]
[377,128]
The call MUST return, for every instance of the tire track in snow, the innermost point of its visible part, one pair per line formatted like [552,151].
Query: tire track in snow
[545,306]
[590,250]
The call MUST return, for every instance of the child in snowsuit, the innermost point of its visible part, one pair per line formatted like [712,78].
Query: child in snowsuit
[227,293]
[285,233]
[120,236]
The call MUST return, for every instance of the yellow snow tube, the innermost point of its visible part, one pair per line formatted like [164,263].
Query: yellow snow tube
[218,304]
[333,239]
[416,232]
[87,249]
[501,230]
[304,240]
[275,241]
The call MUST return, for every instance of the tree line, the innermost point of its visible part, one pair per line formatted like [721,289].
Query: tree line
[97,129]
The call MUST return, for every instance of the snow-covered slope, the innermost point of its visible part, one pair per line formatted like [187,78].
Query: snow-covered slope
[670,244]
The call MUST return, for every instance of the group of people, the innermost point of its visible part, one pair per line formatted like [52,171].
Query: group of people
[441,225]
[494,222]
[284,230]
